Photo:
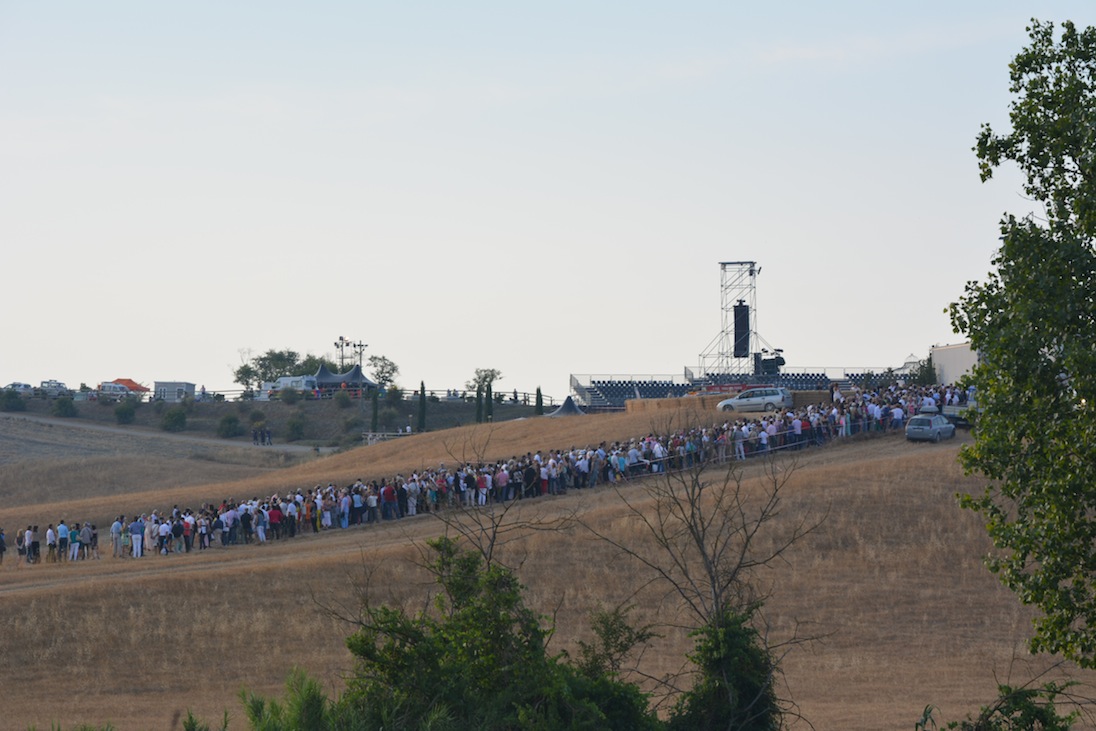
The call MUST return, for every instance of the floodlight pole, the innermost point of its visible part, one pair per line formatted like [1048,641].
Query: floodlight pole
[359,348]
[341,344]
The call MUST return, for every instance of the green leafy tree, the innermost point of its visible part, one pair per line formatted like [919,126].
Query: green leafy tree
[374,422]
[273,364]
[711,533]
[1016,709]
[310,364]
[384,371]
[477,660]
[483,379]
[247,376]
[539,408]
[488,404]
[479,405]
[305,707]
[924,374]
[734,688]
[1033,321]
[615,638]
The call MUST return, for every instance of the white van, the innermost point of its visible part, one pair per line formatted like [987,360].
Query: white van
[112,391]
[268,390]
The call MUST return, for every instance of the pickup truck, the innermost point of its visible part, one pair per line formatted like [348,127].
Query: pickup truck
[52,389]
[958,414]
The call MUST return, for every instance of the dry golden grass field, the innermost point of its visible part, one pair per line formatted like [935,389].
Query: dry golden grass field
[892,580]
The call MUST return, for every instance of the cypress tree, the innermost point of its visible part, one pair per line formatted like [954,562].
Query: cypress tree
[422,406]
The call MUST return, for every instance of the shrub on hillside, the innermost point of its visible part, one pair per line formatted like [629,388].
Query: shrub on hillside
[343,400]
[229,426]
[289,396]
[11,401]
[64,407]
[125,412]
[294,428]
[480,661]
[256,417]
[174,419]
[389,419]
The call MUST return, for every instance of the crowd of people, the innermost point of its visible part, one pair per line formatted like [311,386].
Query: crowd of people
[315,510]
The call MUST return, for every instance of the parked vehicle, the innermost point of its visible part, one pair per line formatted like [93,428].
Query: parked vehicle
[23,389]
[758,399]
[305,385]
[52,389]
[959,415]
[108,391]
[929,428]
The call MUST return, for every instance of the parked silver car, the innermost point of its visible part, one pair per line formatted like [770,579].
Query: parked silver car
[929,427]
[23,389]
[758,399]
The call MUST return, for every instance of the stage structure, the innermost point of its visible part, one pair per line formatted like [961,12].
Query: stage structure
[733,350]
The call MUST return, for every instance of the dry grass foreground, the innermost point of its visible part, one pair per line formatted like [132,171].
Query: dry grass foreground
[893,579]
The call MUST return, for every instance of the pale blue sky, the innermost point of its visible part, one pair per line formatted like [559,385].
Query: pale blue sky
[544,189]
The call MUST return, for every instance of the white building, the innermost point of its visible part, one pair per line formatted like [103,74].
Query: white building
[172,391]
[953,361]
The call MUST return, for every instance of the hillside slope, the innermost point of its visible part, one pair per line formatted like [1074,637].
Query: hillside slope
[892,580]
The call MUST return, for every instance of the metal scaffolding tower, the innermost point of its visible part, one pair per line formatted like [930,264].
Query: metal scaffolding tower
[737,288]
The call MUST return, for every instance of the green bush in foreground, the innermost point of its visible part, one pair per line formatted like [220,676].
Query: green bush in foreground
[294,428]
[478,660]
[125,412]
[174,419]
[229,426]
[11,401]
[64,407]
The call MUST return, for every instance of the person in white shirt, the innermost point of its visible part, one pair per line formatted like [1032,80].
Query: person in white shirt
[51,544]
[897,415]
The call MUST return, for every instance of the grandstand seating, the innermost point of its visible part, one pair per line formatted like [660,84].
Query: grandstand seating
[612,393]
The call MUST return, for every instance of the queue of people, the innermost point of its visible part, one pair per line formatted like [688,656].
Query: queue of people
[257,521]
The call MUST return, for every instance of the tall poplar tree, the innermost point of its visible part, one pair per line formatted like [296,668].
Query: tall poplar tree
[1033,322]
[422,406]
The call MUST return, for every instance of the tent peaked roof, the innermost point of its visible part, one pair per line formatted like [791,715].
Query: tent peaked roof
[324,373]
[131,385]
[353,377]
[568,408]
